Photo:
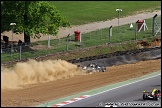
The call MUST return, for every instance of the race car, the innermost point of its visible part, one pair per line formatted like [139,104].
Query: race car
[154,95]
[93,67]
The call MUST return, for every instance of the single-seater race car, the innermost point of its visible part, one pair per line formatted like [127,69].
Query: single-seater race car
[93,67]
[154,95]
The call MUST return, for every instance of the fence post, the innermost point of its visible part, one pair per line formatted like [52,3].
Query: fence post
[20,52]
[153,25]
[110,34]
[67,40]
[136,31]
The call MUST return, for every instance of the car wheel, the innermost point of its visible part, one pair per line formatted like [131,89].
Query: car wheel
[156,97]
[144,96]
[158,91]
[103,70]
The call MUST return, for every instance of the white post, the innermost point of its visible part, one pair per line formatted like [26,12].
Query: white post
[111,31]
[12,24]
[144,25]
[118,10]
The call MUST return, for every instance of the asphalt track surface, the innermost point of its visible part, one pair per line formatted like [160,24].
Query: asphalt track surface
[123,95]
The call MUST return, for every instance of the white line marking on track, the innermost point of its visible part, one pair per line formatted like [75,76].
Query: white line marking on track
[86,96]
[127,84]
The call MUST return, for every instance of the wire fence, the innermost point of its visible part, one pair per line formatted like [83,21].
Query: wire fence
[156,27]
[129,32]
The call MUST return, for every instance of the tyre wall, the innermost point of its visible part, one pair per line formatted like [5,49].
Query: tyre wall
[123,57]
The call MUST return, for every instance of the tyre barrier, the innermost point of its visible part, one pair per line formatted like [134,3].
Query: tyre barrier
[87,58]
[82,59]
[94,58]
[124,57]
[100,57]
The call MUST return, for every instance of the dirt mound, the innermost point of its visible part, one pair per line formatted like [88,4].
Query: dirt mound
[145,44]
[156,42]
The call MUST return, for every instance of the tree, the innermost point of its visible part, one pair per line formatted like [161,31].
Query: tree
[32,18]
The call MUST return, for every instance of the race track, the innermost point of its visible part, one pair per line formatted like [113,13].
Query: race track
[38,94]
[128,93]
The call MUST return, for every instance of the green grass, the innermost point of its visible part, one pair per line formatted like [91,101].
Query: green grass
[89,39]
[82,12]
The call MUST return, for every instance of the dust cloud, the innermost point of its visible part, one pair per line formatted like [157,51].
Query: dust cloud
[32,72]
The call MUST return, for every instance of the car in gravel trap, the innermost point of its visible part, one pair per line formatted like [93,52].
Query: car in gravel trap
[93,67]
[154,95]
